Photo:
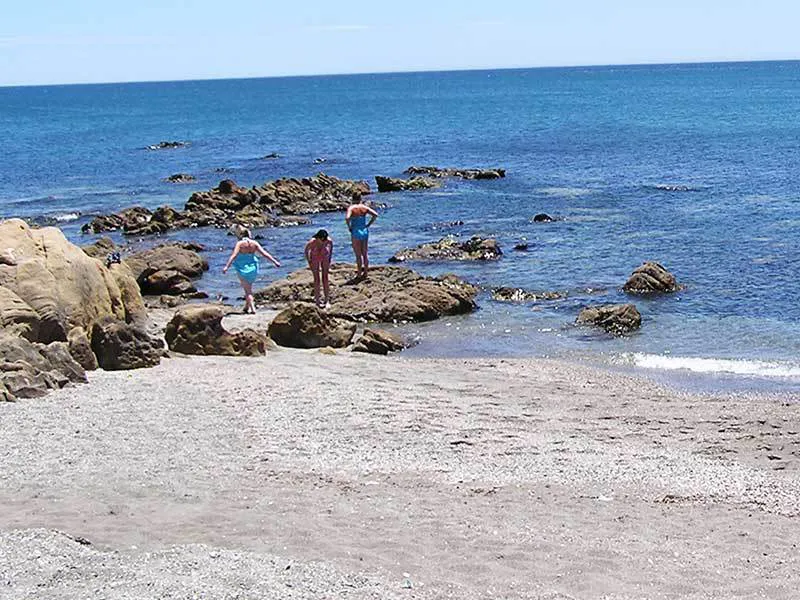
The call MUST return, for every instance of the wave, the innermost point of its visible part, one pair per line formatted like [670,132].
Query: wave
[565,192]
[673,187]
[749,368]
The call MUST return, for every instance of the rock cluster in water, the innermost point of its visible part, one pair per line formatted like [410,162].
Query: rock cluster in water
[617,319]
[391,184]
[462,173]
[651,278]
[166,145]
[452,248]
[273,204]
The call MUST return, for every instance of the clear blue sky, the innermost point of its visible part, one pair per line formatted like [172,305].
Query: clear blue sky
[65,41]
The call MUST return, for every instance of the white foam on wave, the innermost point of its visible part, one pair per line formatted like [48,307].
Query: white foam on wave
[749,368]
[67,217]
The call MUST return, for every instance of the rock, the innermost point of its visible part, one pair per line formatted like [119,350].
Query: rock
[61,284]
[445,225]
[304,325]
[80,347]
[522,246]
[543,218]
[17,317]
[389,294]
[167,269]
[198,329]
[378,341]
[167,145]
[101,248]
[180,178]
[121,346]
[463,173]
[651,278]
[274,204]
[389,184]
[450,248]
[271,156]
[127,219]
[617,319]
[29,370]
[510,294]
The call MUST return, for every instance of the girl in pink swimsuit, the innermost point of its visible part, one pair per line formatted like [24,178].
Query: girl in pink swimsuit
[319,251]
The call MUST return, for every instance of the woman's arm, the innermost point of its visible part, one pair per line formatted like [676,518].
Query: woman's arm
[307,251]
[373,214]
[330,250]
[267,255]
[233,255]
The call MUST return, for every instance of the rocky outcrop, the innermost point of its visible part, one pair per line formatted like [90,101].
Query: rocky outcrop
[451,248]
[80,347]
[59,284]
[378,341]
[101,248]
[304,325]
[510,294]
[390,184]
[462,173]
[180,178]
[121,346]
[166,145]
[617,319]
[198,330]
[542,218]
[389,294]
[277,203]
[651,278]
[167,269]
[29,370]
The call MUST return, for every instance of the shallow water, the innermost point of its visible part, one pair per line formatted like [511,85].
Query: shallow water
[695,166]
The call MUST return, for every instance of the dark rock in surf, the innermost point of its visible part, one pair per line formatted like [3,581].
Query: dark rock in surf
[462,173]
[543,218]
[510,294]
[390,184]
[180,178]
[616,319]
[166,145]
[651,278]
[451,248]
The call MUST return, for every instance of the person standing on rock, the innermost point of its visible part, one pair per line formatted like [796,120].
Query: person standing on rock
[244,259]
[319,252]
[356,219]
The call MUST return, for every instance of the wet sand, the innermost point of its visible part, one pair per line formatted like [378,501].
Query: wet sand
[307,475]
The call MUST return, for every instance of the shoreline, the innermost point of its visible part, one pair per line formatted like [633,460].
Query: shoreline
[519,478]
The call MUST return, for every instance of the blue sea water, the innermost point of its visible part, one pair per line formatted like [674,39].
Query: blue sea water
[599,147]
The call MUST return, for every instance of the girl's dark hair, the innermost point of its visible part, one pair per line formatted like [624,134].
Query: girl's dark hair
[322,234]
[357,197]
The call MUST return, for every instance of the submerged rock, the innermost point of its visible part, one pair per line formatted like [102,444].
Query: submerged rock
[463,173]
[510,294]
[543,218]
[180,178]
[166,145]
[451,248]
[304,325]
[390,184]
[198,330]
[651,278]
[389,294]
[616,319]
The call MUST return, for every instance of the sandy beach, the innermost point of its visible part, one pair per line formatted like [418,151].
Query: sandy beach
[308,475]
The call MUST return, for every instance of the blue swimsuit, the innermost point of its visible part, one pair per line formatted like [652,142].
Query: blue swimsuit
[358,227]
[246,266]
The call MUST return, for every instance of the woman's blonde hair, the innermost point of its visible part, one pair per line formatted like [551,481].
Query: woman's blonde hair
[240,231]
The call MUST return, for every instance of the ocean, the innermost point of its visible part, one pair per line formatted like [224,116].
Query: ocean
[693,165]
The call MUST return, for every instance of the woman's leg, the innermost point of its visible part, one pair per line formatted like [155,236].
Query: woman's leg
[326,284]
[249,305]
[315,271]
[364,257]
[357,252]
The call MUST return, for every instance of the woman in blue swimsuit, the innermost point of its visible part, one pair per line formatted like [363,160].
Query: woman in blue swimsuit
[356,219]
[244,259]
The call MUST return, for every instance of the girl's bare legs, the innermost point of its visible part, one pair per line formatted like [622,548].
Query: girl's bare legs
[315,271]
[249,305]
[364,257]
[326,285]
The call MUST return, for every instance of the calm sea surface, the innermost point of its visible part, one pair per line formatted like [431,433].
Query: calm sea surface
[598,147]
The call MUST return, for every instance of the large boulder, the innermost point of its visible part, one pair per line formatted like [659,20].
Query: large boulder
[122,346]
[617,319]
[198,329]
[304,325]
[378,341]
[390,184]
[80,347]
[651,278]
[389,294]
[63,286]
[462,173]
[167,269]
[29,370]
[451,248]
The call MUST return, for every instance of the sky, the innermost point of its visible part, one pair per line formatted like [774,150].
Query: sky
[90,41]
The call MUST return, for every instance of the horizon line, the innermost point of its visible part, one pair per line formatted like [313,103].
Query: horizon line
[405,72]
